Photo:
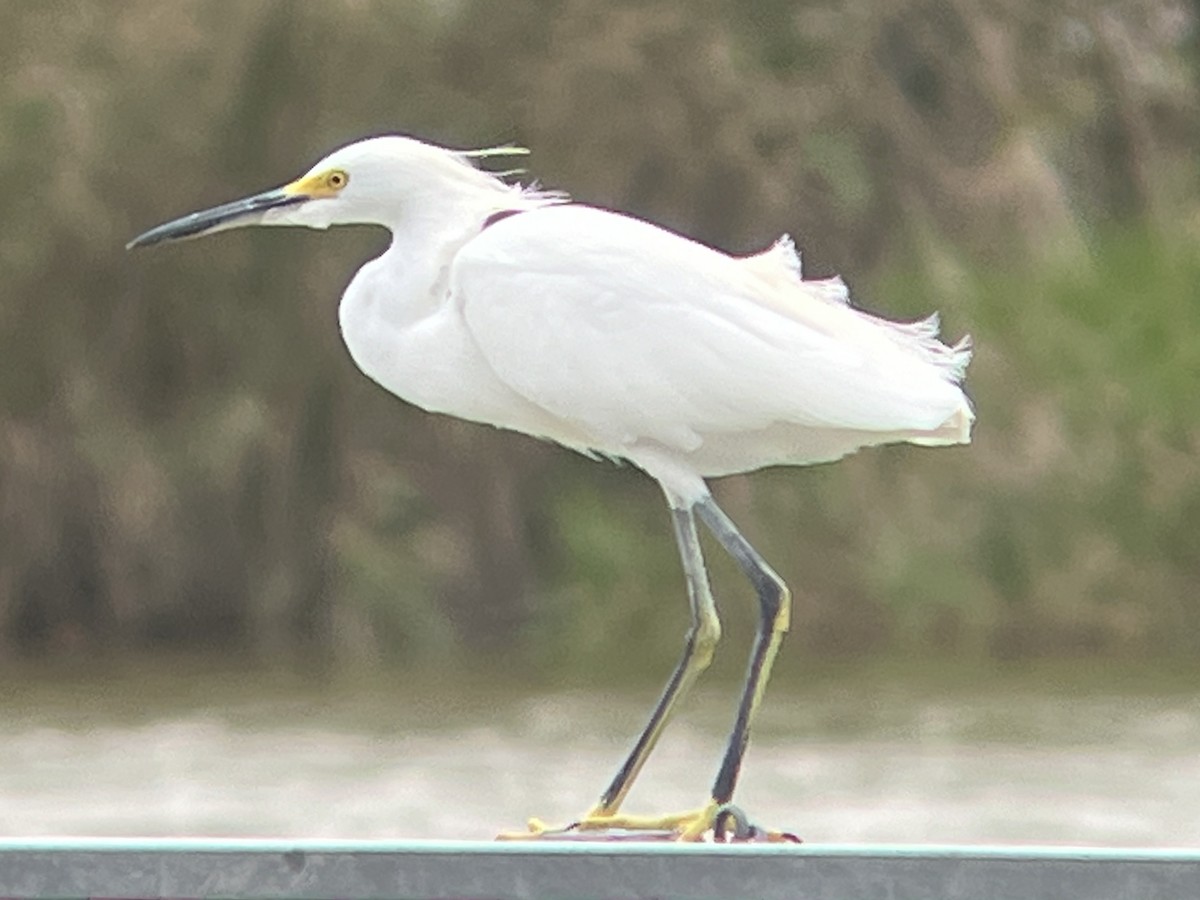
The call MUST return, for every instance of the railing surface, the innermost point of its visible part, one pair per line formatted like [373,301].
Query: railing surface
[268,869]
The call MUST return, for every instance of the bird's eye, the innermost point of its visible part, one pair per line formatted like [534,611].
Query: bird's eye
[336,180]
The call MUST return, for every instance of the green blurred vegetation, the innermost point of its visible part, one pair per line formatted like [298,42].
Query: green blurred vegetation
[188,460]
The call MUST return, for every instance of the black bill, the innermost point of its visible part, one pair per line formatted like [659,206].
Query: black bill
[229,215]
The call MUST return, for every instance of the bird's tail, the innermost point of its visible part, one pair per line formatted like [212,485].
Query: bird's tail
[955,430]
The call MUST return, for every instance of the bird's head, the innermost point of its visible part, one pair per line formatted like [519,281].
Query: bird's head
[387,181]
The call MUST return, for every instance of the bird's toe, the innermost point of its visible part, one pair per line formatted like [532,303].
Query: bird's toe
[714,821]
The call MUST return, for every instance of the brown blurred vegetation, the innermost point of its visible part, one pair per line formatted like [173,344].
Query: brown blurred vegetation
[189,460]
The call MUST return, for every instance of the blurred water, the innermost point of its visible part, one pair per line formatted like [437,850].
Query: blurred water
[837,762]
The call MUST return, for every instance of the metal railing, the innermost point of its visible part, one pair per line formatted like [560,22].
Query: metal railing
[262,869]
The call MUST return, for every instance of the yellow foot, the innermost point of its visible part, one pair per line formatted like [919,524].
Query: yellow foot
[685,826]
[536,829]
[723,822]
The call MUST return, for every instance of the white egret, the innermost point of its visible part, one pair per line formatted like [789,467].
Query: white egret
[611,336]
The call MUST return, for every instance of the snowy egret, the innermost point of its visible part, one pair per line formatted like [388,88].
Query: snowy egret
[513,306]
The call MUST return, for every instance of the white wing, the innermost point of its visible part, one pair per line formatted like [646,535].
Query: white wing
[633,333]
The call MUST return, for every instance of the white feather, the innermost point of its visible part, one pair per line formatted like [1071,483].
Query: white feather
[640,339]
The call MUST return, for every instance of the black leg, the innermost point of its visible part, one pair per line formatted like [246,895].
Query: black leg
[698,649]
[774,601]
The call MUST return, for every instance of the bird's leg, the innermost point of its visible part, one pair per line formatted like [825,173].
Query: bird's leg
[775,604]
[698,649]
[718,815]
